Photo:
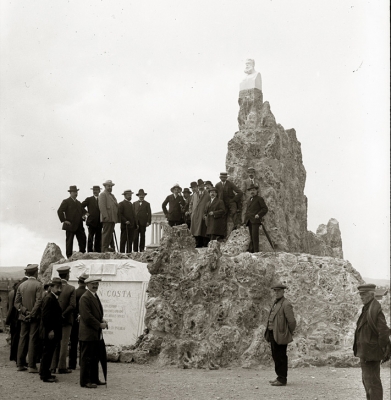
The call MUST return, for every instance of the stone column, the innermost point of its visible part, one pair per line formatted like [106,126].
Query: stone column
[152,230]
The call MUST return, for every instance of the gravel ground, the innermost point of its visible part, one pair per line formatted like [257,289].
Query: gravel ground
[131,381]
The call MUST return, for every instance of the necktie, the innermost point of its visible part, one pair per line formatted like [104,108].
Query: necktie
[252,181]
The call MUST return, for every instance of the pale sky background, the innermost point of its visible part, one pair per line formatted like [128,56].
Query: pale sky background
[145,94]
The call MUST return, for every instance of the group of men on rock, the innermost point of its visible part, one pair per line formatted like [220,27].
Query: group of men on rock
[45,319]
[206,209]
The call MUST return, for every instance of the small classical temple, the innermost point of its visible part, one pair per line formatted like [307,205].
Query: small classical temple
[156,229]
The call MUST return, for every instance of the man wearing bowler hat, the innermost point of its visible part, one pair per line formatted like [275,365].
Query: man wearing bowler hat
[93,221]
[175,203]
[371,341]
[208,185]
[281,324]
[128,222]
[71,214]
[109,215]
[142,209]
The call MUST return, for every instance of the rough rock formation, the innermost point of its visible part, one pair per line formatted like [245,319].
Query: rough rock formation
[51,254]
[331,235]
[209,308]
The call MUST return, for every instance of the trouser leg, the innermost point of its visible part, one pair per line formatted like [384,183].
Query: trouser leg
[107,235]
[122,245]
[136,240]
[280,359]
[255,236]
[15,334]
[81,238]
[56,355]
[23,343]
[141,231]
[66,333]
[88,361]
[47,355]
[74,339]
[98,239]
[69,243]
[91,236]
[371,379]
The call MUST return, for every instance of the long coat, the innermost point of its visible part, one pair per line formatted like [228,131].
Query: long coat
[29,295]
[67,301]
[174,212]
[371,333]
[92,205]
[108,207]
[198,226]
[256,206]
[91,316]
[72,211]
[143,212]
[228,193]
[284,322]
[126,212]
[216,223]
[51,318]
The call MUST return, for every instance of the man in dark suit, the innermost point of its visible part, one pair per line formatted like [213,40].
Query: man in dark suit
[93,221]
[175,203]
[67,300]
[231,196]
[185,210]
[92,345]
[71,215]
[142,209]
[215,216]
[75,327]
[128,222]
[256,209]
[50,328]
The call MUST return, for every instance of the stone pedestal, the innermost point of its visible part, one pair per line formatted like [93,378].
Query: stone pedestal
[250,103]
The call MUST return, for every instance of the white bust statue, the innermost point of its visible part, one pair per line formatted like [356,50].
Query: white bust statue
[253,79]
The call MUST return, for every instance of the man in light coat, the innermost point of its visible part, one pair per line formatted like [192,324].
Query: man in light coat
[109,215]
[279,332]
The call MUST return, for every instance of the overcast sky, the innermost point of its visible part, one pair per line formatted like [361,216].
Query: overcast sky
[145,94]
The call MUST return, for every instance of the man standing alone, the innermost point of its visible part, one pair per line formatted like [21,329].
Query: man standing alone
[93,221]
[175,203]
[109,215]
[143,213]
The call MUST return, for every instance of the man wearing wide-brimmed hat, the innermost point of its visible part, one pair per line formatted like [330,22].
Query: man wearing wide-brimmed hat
[128,222]
[93,221]
[71,214]
[109,215]
[143,213]
[197,209]
[175,203]
[371,341]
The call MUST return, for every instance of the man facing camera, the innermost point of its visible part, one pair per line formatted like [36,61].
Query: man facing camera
[142,209]
[128,222]
[93,221]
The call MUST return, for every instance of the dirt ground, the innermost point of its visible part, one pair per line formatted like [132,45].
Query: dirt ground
[131,381]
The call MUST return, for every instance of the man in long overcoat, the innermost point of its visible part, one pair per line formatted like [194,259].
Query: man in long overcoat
[93,221]
[128,222]
[109,215]
[50,328]
[256,209]
[215,216]
[90,334]
[175,203]
[371,341]
[142,209]
[250,181]
[281,324]
[71,214]
[197,210]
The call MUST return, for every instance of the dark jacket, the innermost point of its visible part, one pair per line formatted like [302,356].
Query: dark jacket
[175,205]
[256,206]
[372,333]
[12,313]
[79,292]
[215,224]
[185,209]
[91,316]
[126,212]
[228,192]
[51,317]
[72,211]
[67,301]
[143,212]
[92,205]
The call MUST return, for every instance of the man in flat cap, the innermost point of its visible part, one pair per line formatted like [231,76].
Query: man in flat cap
[109,215]
[93,221]
[231,195]
[281,324]
[74,339]
[128,222]
[50,329]
[371,341]
[175,203]
[71,214]
[28,303]
[197,210]
[67,301]
[256,209]
[142,209]
[92,345]
[251,180]
[215,216]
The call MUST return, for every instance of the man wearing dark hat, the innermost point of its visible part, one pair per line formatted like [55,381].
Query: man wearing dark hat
[109,215]
[250,181]
[371,341]
[74,339]
[142,209]
[28,302]
[175,203]
[71,214]
[208,185]
[185,210]
[93,221]
[92,345]
[256,209]
[67,301]
[231,195]
[50,329]
[215,216]
[128,222]
[279,332]
[198,225]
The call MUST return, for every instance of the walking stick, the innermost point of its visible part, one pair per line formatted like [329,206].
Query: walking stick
[115,239]
[268,237]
